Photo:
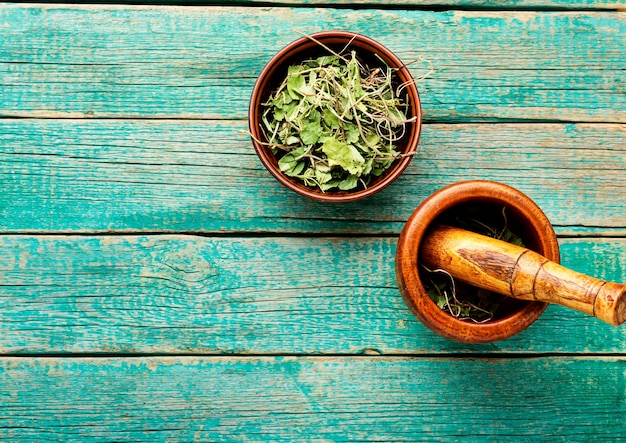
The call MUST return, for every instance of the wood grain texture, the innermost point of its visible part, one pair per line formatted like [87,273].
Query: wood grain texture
[388,4]
[215,295]
[162,62]
[312,399]
[173,176]
[518,272]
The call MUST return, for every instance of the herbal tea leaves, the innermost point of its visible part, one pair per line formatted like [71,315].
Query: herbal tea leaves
[333,124]
[475,304]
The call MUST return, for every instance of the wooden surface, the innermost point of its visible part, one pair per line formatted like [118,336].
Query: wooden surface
[201,63]
[320,399]
[157,284]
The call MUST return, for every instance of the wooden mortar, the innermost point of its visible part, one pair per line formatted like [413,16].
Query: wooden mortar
[524,217]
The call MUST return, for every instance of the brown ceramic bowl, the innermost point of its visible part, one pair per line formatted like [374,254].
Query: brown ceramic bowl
[524,218]
[368,52]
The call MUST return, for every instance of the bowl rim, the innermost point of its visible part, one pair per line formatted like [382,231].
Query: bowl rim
[268,159]
[407,253]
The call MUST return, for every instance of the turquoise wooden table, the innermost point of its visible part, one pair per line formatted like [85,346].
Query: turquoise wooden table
[157,284]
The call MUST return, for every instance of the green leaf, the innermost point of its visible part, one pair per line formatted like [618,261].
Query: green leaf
[329,185]
[279,114]
[295,81]
[297,85]
[308,173]
[287,163]
[312,128]
[298,168]
[343,155]
[322,176]
[325,60]
[292,140]
[354,76]
[283,134]
[441,302]
[308,89]
[354,80]
[352,133]
[290,111]
[310,133]
[377,171]
[330,118]
[367,169]
[349,183]
[372,138]
[291,164]
[281,100]
[439,299]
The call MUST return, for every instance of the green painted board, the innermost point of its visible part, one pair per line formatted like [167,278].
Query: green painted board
[190,176]
[175,294]
[552,399]
[180,62]
[388,4]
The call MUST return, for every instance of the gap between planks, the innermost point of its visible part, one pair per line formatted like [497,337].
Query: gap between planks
[366,354]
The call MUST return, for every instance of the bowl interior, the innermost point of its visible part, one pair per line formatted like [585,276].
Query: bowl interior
[473,215]
[369,53]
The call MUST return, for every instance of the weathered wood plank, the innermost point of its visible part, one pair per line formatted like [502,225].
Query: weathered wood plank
[286,295]
[388,4]
[173,176]
[312,399]
[162,62]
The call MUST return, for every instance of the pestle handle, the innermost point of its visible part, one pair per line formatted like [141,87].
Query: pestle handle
[520,273]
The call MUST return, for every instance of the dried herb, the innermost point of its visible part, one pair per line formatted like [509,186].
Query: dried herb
[333,123]
[463,301]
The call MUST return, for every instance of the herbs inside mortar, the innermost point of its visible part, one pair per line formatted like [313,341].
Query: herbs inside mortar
[333,123]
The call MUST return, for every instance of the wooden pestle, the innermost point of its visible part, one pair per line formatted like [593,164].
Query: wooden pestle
[520,273]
